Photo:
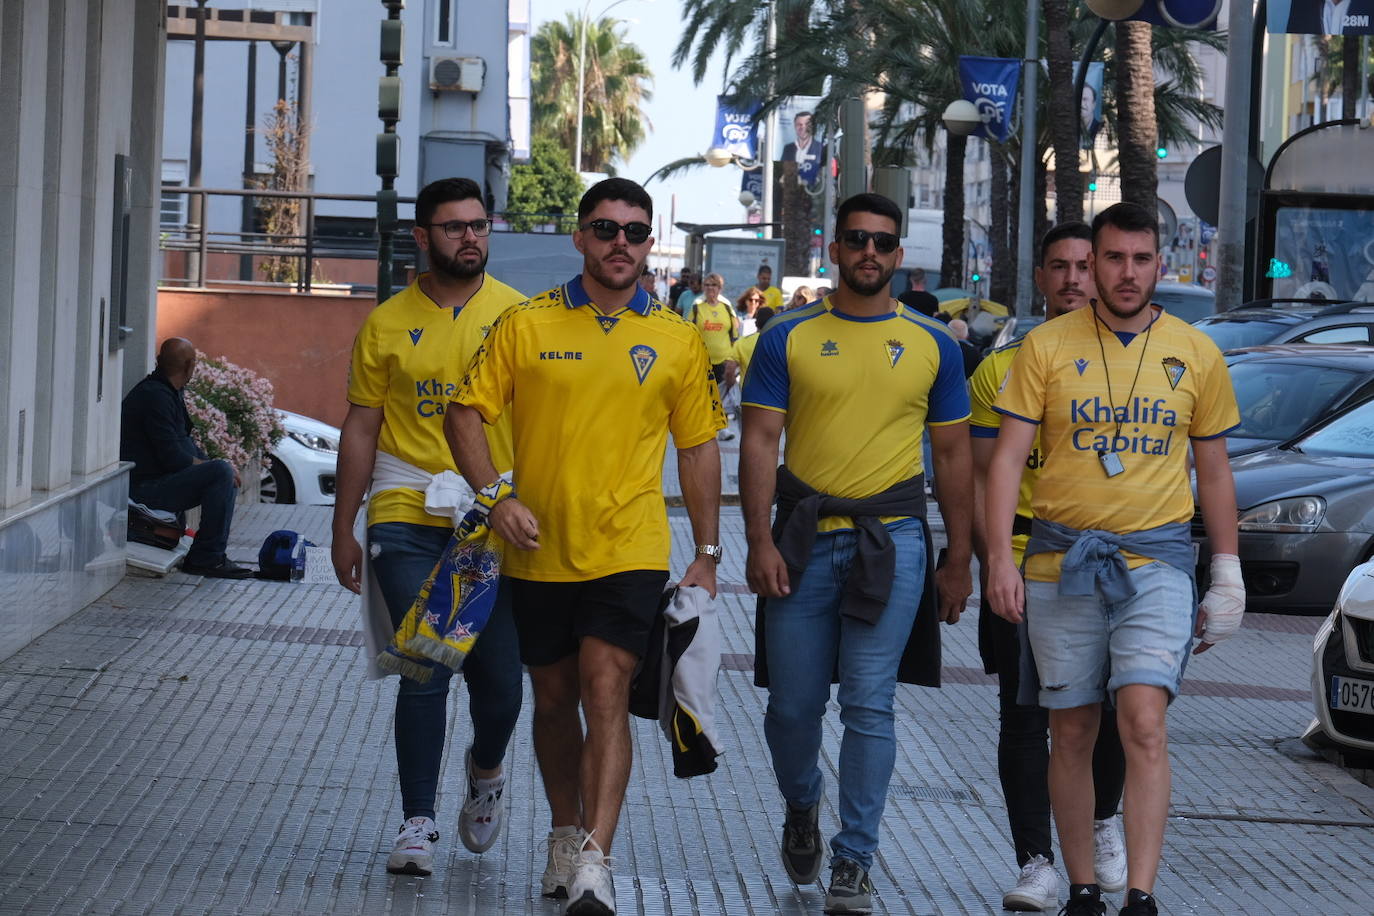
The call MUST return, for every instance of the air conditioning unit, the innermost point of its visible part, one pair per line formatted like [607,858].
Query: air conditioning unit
[457,74]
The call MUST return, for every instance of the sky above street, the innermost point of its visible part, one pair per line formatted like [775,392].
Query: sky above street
[681,114]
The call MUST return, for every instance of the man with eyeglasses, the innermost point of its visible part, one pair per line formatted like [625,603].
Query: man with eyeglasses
[393,444]
[596,374]
[847,563]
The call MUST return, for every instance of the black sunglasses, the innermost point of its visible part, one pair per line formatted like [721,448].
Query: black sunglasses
[455,228]
[607,229]
[857,240]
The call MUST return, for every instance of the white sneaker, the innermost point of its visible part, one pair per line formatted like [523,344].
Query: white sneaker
[563,843]
[413,853]
[1109,856]
[479,824]
[591,892]
[1036,889]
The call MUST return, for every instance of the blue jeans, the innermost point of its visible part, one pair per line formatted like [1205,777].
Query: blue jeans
[807,636]
[209,485]
[406,555]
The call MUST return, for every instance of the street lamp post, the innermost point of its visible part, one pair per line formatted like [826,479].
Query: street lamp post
[582,73]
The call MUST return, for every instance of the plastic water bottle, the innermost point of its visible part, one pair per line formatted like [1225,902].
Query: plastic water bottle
[298,560]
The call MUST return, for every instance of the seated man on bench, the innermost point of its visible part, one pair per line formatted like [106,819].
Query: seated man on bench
[170,471]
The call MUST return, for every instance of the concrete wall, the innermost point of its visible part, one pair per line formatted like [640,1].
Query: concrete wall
[80,84]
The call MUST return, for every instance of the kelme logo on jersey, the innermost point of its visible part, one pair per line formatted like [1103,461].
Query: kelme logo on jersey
[830,348]
[1081,365]
[415,335]
[643,357]
[607,322]
[895,349]
[1174,369]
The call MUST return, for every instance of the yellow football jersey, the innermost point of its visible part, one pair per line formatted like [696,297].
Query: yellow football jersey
[857,393]
[407,360]
[772,297]
[593,397]
[1058,381]
[716,323]
[985,422]
[743,351]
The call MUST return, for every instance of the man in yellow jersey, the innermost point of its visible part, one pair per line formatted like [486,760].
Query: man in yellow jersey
[1117,393]
[743,350]
[1022,755]
[715,320]
[854,385]
[595,374]
[400,378]
[772,296]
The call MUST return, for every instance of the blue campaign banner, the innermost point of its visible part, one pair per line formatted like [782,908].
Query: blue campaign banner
[991,83]
[751,180]
[1184,12]
[1321,17]
[736,129]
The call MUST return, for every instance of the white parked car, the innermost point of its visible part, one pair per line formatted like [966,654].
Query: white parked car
[1343,671]
[301,468]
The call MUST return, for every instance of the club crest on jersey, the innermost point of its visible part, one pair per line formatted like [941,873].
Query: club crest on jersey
[830,348]
[607,322]
[1174,369]
[643,358]
[415,335]
[1081,365]
[895,349]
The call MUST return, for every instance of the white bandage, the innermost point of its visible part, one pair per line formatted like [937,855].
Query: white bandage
[1224,603]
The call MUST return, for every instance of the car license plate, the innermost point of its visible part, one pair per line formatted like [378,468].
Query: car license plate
[1352,696]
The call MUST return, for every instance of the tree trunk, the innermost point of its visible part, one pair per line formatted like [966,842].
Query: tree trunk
[1063,114]
[1350,74]
[1003,284]
[1138,134]
[1042,220]
[794,212]
[952,256]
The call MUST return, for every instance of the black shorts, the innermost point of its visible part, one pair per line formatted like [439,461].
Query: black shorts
[552,617]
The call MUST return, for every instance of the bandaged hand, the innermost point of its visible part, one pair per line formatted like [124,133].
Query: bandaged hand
[1223,606]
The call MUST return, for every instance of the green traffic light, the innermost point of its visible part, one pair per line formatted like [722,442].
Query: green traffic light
[1162,152]
[976,277]
[1092,186]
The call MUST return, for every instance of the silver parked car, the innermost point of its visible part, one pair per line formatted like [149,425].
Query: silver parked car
[1306,514]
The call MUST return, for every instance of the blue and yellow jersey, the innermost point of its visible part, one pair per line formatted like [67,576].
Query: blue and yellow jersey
[1059,382]
[743,351]
[407,360]
[717,325]
[857,393]
[984,423]
[593,397]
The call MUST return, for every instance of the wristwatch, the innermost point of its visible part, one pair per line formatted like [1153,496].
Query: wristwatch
[709,550]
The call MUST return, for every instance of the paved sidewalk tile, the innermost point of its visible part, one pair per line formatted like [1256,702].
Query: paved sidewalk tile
[189,745]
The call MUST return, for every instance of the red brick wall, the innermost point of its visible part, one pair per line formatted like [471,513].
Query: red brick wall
[300,342]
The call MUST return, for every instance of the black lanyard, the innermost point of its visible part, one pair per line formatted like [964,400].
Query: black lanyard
[1097,319]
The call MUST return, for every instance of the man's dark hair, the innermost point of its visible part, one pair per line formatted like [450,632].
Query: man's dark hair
[1127,217]
[762,268]
[443,191]
[868,203]
[1071,229]
[762,314]
[917,275]
[622,189]
[803,114]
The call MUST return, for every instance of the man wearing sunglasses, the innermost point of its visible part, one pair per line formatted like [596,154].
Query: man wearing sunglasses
[596,374]
[393,444]
[844,573]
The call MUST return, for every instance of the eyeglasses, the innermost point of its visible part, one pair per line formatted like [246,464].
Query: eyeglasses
[755,299]
[857,240]
[456,228]
[607,229]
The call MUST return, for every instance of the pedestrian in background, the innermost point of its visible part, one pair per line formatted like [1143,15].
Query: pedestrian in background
[715,320]
[746,305]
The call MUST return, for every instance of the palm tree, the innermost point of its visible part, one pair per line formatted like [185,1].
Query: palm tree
[1063,112]
[616,86]
[1137,131]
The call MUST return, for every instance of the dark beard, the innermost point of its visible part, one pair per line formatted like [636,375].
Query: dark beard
[594,268]
[1111,306]
[850,277]
[454,268]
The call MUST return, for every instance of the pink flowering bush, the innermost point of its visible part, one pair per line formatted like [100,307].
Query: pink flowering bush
[231,411]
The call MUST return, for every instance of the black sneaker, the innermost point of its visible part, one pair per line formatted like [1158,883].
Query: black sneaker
[801,844]
[1084,900]
[224,569]
[850,890]
[1139,903]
